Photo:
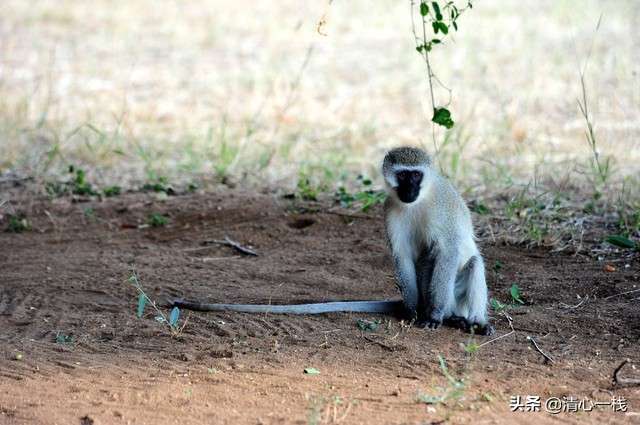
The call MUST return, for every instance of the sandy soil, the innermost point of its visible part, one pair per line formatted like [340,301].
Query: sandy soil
[73,351]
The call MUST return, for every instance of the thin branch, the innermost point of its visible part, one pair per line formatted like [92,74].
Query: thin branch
[623,382]
[571,307]
[622,293]
[510,320]
[535,344]
[322,22]
[233,244]
[429,71]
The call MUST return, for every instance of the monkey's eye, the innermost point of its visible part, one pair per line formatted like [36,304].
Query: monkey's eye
[403,175]
[413,176]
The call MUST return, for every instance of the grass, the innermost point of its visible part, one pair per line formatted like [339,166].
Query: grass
[451,392]
[171,320]
[331,409]
[195,95]
[18,223]
[157,220]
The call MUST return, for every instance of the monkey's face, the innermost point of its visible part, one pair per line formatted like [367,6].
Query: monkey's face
[408,187]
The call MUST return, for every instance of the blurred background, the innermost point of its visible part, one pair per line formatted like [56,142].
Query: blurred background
[251,93]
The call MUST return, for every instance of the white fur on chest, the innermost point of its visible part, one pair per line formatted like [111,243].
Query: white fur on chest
[409,232]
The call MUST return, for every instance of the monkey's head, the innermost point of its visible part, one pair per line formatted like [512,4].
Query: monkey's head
[404,171]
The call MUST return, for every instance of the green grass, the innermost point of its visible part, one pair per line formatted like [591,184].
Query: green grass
[18,223]
[452,391]
[139,115]
[157,220]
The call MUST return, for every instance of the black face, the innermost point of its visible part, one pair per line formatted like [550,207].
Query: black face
[408,185]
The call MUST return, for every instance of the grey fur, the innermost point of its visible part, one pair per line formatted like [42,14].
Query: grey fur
[389,306]
[439,268]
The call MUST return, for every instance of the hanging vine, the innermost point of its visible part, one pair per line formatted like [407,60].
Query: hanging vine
[437,19]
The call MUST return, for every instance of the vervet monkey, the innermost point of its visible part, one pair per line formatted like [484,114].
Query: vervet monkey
[439,269]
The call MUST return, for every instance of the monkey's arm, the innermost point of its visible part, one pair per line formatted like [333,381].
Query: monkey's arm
[407,283]
[390,306]
[442,287]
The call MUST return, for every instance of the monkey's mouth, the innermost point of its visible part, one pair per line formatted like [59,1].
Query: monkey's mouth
[408,193]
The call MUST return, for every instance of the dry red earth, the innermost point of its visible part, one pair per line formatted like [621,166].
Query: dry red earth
[68,277]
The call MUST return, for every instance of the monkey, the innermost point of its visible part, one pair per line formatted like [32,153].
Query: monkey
[439,268]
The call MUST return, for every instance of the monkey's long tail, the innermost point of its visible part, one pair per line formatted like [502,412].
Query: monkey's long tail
[388,306]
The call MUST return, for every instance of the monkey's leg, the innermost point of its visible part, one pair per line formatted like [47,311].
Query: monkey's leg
[442,287]
[424,272]
[471,297]
[406,279]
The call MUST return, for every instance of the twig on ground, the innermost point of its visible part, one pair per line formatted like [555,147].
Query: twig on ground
[537,347]
[387,347]
[622,293]
[623,382]
[233,244]
[571,307]
[510,320]
[210,259]
[13,178]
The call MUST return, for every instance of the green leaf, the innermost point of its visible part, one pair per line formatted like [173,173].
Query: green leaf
[436,9]
[311,371]
[621,241]
[112,191]
[424,9]
[496,305]
[471,347]
[442,116]
[157,220]
[424,47]
[515,294]
[63,338]
[368,325]
[479,207]
[497,266]
[174,316]
[142,302]
[440,26]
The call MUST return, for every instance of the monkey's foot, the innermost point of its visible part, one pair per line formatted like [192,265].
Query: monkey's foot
[485,330]
[429,323]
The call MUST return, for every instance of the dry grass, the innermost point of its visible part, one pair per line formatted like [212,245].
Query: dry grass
[249,90]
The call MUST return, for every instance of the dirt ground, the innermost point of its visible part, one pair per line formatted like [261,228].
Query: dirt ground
[73,351]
